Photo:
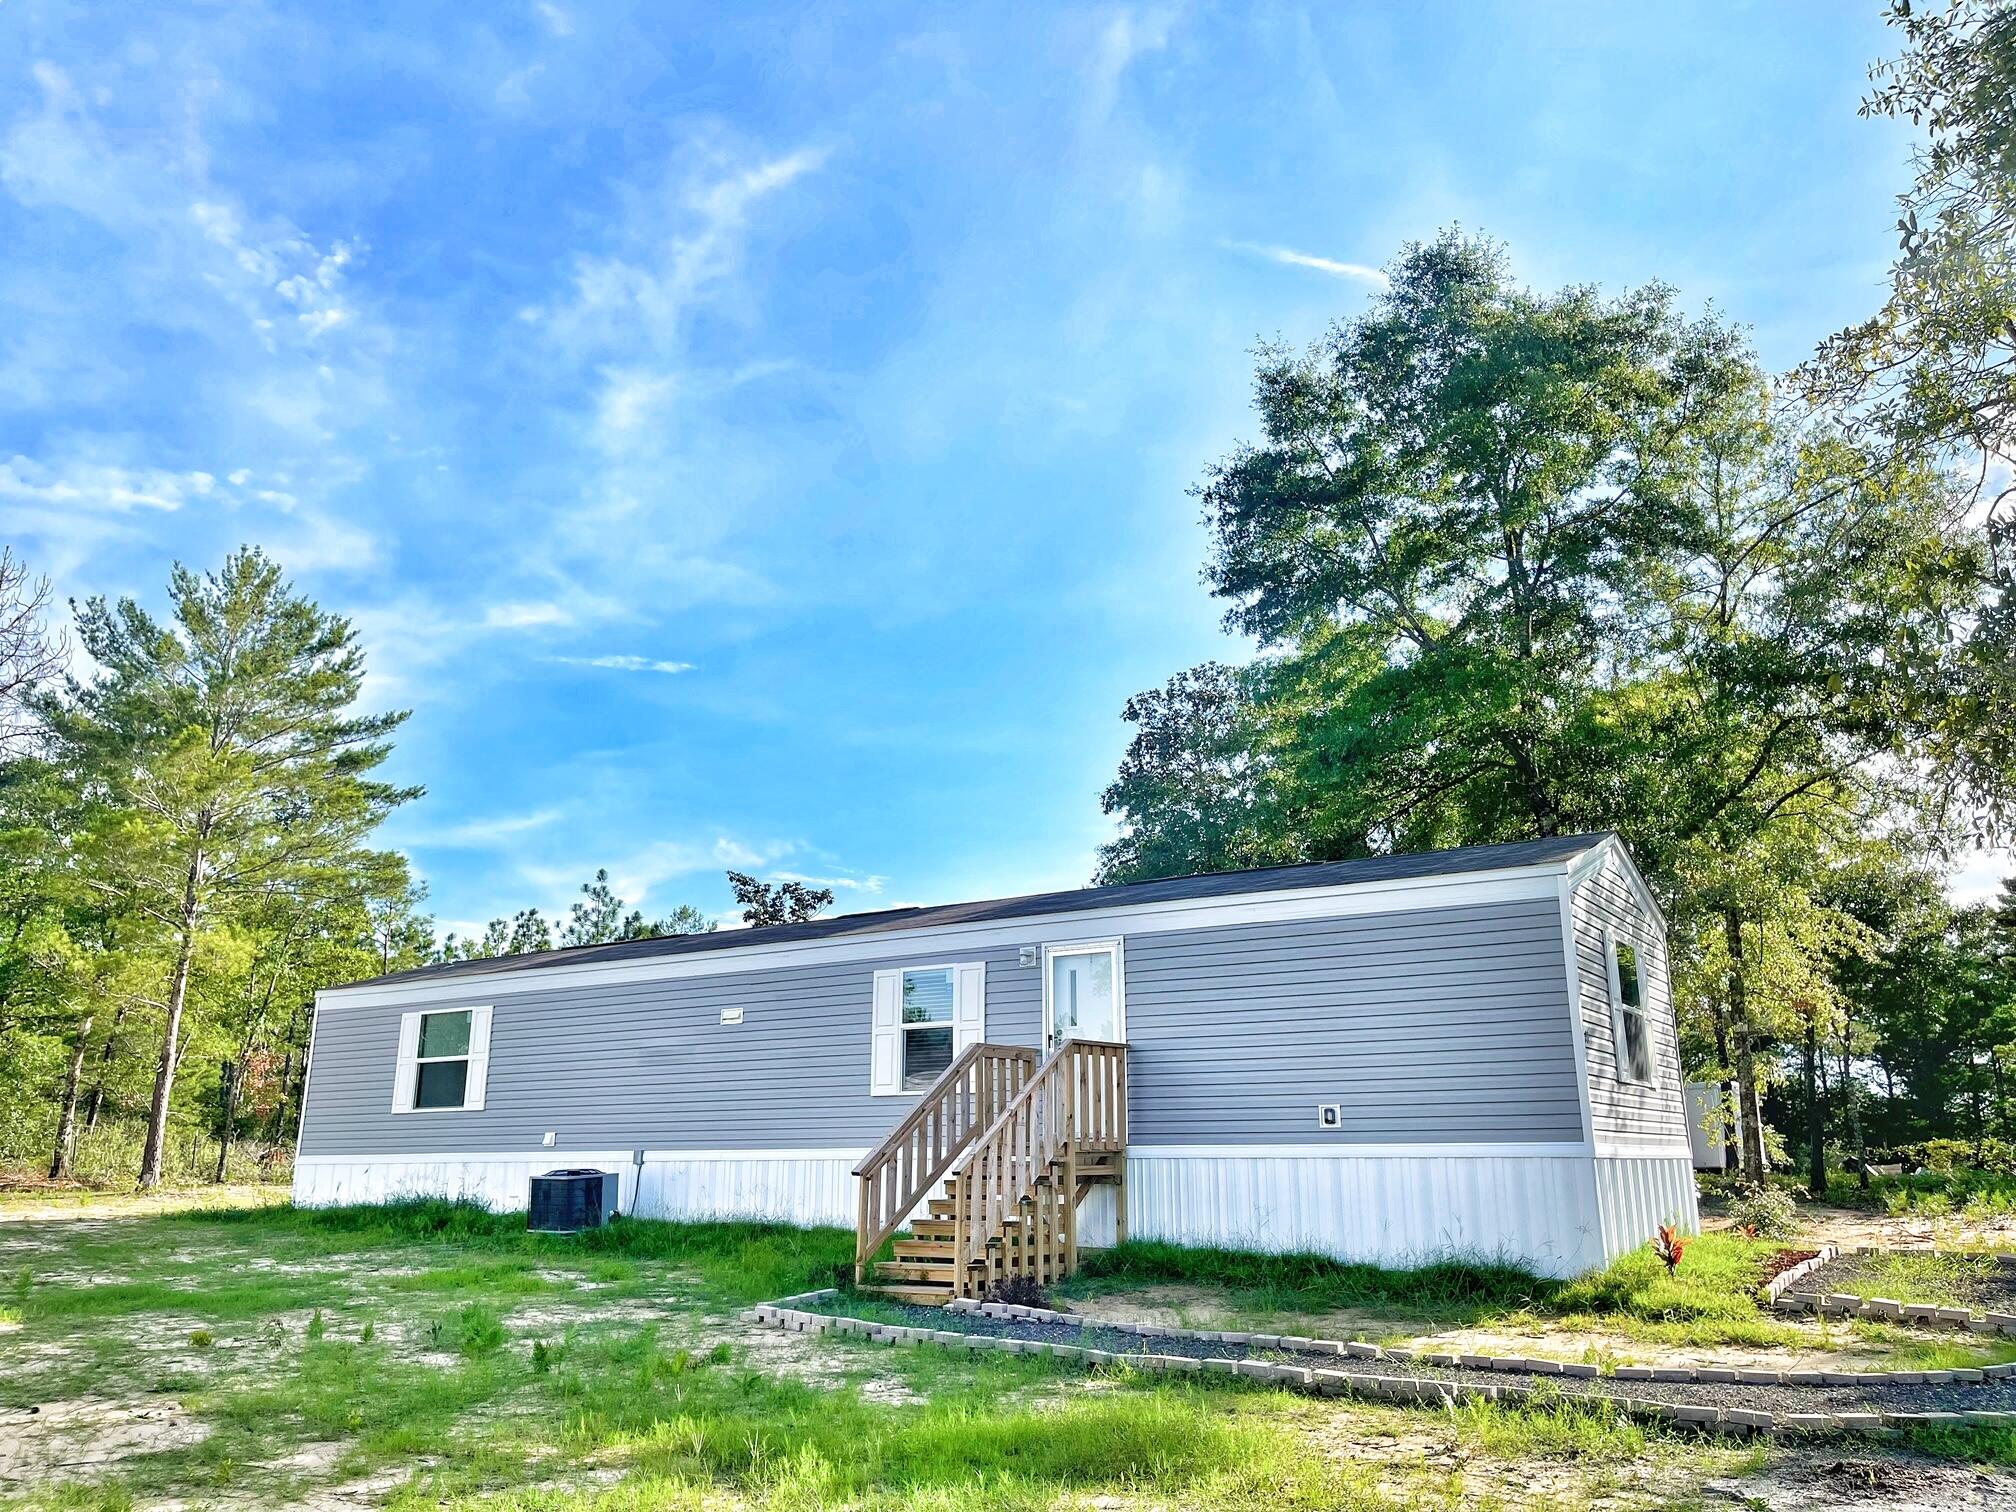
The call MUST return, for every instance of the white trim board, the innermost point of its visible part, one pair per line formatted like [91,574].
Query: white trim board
[1332,1151]
[533,1156]
[1662,1150]
[1339,1150]
[1462,890]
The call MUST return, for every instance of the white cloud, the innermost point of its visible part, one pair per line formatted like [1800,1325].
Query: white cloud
[525,616]
[557,20]
[623,663]
[100,486]
[1289,257]
[482,834]
[870,885]
[1979,878]
[630,399]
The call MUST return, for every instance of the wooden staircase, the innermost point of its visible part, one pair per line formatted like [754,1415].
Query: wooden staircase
[1017,1149]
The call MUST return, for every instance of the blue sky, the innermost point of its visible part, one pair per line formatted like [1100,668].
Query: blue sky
[760,437]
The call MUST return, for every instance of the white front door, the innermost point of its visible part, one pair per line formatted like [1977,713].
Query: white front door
[1082,993]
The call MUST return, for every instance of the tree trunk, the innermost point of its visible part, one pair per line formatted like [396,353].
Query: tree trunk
[151,1157]
[1816,1114]
[227,1092]
[110,1053]
[66,1119]
[1732,1157]
[1851,1096]
[1746,1055]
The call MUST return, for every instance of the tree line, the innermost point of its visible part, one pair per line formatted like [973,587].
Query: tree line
[186,854]
[1522,563]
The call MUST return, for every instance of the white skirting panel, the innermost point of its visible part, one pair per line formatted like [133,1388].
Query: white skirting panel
[1538,1211]
[1637,1193]
[501,1182]
[792,1186]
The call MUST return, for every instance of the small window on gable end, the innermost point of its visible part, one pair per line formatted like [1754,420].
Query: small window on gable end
[927,1026]
[1627,988]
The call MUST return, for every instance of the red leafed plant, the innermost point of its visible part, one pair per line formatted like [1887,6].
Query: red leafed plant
[1669,1247]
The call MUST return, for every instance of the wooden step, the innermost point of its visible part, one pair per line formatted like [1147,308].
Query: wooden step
[910,1272]
[924,1249]
[923,1296]
[932,1228]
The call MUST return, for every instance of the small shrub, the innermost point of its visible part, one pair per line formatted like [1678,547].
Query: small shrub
[1669,1247]
[200,1339]
[1018,1291]
[720,1354]
[370,1331]
[316,1327]
[481,1329]
[1764,1212]
[542,1357]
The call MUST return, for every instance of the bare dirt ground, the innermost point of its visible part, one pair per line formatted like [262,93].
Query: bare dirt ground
[1823,1223]
[46,1203]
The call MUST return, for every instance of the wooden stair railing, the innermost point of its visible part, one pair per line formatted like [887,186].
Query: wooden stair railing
[968,1097]
[1014,1191]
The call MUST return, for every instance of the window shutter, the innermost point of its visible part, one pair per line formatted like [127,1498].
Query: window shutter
[479,1060]
[406,1070]
[885,1052]
[969,1010]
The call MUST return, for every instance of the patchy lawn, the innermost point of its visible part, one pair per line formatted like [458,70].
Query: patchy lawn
[433,1355]
[1630,1313]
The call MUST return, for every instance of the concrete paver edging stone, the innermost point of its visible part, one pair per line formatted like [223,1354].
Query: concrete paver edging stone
[1313,1378]
[1879,1309]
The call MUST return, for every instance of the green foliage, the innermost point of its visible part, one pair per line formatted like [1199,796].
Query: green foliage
[788,902]
[479,1329]
[1768,1211]
[1309,1282]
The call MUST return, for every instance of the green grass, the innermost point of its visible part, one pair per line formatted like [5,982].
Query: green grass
[1941,1279]
[495,1369]
[440,1340]
[1312,1283]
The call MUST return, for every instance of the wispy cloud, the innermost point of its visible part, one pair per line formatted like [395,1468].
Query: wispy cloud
[870,885]
[623,663]
[119,490]
[1290,258]
[483,834]
[525,616]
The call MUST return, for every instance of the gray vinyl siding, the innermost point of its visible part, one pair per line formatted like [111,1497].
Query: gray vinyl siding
[647,1065]
[1620,1109]
[1449,1025]
[1432,1026]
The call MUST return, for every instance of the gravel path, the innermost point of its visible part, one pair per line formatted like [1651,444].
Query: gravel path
[1952,1396]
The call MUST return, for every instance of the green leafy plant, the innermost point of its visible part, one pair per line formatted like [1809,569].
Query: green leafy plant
[369,1331]
[316,1327]
[200,1338]
[1669,1247]
[1764,1212]
[480,1329]
[543,1355]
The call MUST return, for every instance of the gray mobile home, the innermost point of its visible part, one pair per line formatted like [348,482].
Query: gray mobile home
[1458,1052]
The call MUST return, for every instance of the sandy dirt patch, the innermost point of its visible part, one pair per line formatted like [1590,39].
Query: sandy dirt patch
[73,1439]
[1820,1482]
[79,1205]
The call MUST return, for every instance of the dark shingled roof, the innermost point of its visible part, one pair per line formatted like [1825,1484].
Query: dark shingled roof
[1468,858]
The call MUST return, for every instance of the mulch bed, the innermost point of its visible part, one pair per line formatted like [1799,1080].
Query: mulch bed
[1905,1397]
[1987,1285]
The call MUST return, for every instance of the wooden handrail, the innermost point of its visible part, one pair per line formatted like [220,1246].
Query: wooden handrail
[1024,1168]
[967,1097]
